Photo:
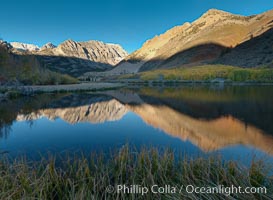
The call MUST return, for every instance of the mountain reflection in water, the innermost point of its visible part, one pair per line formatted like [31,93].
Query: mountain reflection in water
[210,118]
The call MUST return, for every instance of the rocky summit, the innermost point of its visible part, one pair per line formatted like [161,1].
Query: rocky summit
[48,45]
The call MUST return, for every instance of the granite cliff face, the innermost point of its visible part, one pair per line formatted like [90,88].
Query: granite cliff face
[205,40]
[95,51]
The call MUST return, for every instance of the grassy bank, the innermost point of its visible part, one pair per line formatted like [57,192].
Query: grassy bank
[82,178]
[211,72]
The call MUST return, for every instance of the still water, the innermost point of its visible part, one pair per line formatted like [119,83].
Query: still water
[234,122]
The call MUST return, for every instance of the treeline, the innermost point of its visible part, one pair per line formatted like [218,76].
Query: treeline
[25,69]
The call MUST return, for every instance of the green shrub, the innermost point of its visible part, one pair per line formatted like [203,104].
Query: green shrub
[239,75]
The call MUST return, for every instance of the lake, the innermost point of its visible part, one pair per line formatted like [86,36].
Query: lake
[234,122]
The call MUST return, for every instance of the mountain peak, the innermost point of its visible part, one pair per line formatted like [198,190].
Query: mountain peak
[214,11]
[48,45]
[68,41]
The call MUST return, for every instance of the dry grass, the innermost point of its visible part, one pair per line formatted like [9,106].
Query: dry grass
[87,178]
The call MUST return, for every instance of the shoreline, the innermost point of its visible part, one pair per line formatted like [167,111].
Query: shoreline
[100,86]
[30,89]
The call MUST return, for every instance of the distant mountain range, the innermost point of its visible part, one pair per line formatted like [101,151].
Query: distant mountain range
[24,47]
[74,58]
[217,37]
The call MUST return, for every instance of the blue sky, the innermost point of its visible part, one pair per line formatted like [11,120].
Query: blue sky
[129,23]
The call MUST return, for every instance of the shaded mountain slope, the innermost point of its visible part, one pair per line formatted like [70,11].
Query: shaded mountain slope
[255,52]
[203,41]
